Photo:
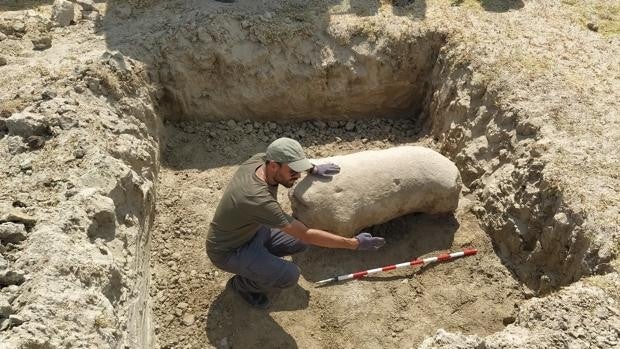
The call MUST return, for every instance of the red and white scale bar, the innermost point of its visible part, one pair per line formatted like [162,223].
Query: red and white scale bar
[439,258]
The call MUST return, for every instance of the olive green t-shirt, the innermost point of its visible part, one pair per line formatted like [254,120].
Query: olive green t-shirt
[247,203]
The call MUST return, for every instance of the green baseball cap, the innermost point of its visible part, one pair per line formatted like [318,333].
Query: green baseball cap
[288,151]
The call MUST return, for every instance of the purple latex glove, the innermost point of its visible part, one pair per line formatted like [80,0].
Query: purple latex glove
[326,170]
[368,242]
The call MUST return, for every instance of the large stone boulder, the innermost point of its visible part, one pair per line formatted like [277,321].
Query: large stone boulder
[376,186]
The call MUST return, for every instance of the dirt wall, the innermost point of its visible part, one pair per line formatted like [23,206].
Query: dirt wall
[79,148]
[292,61]
[499,151]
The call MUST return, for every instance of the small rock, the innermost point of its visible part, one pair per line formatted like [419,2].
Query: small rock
[2,36]
[16,319]
[350,126]
[12,289]
[478,210]
[19,28]
[63,12]
[87,5]
[11,277]
[508,320]
[101,210]
[12,232]
[561,220]
[116,61]
[42,42]
[4,324]
[320,124]
[35,142]
[130,220]
[47,95]
[91,15]
[592,26]
[527,128]
[188,319]
[5,308]
[26,124]
[26,165]
[79,153]
[16,216]
[3,61]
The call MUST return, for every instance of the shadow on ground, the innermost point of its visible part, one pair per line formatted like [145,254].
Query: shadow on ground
[233,324]
[494,5]
[407,238]
[415,9]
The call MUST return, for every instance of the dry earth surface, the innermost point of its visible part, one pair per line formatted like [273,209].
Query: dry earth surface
[398,309]
[121,123]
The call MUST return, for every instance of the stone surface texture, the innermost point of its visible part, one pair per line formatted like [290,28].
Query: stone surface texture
[376,186]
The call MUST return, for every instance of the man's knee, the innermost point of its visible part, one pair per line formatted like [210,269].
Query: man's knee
[218,261]
[289,277]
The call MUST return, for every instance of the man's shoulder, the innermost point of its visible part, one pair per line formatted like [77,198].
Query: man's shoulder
[256,158]
[244,182]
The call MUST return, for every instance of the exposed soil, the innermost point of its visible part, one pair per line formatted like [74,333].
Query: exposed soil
[475,295]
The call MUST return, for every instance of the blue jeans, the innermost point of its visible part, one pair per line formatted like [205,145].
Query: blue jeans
[258,262]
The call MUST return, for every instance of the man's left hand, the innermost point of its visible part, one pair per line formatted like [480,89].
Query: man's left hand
[326,170]
[368,242]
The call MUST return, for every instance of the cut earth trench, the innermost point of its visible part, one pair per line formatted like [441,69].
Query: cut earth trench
[477,295]
[397,309]
[417,92]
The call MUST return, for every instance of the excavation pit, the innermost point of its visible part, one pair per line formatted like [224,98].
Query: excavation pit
[384,310]
[226,94]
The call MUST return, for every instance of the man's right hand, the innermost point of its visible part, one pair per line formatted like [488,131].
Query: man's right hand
[325,170]
[368,242]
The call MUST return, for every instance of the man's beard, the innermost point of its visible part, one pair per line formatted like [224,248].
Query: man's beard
[284,183]
[287,184]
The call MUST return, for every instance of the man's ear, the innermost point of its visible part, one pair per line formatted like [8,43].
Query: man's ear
[272,165]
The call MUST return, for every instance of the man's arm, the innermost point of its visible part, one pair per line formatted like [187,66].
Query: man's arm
[319,237]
